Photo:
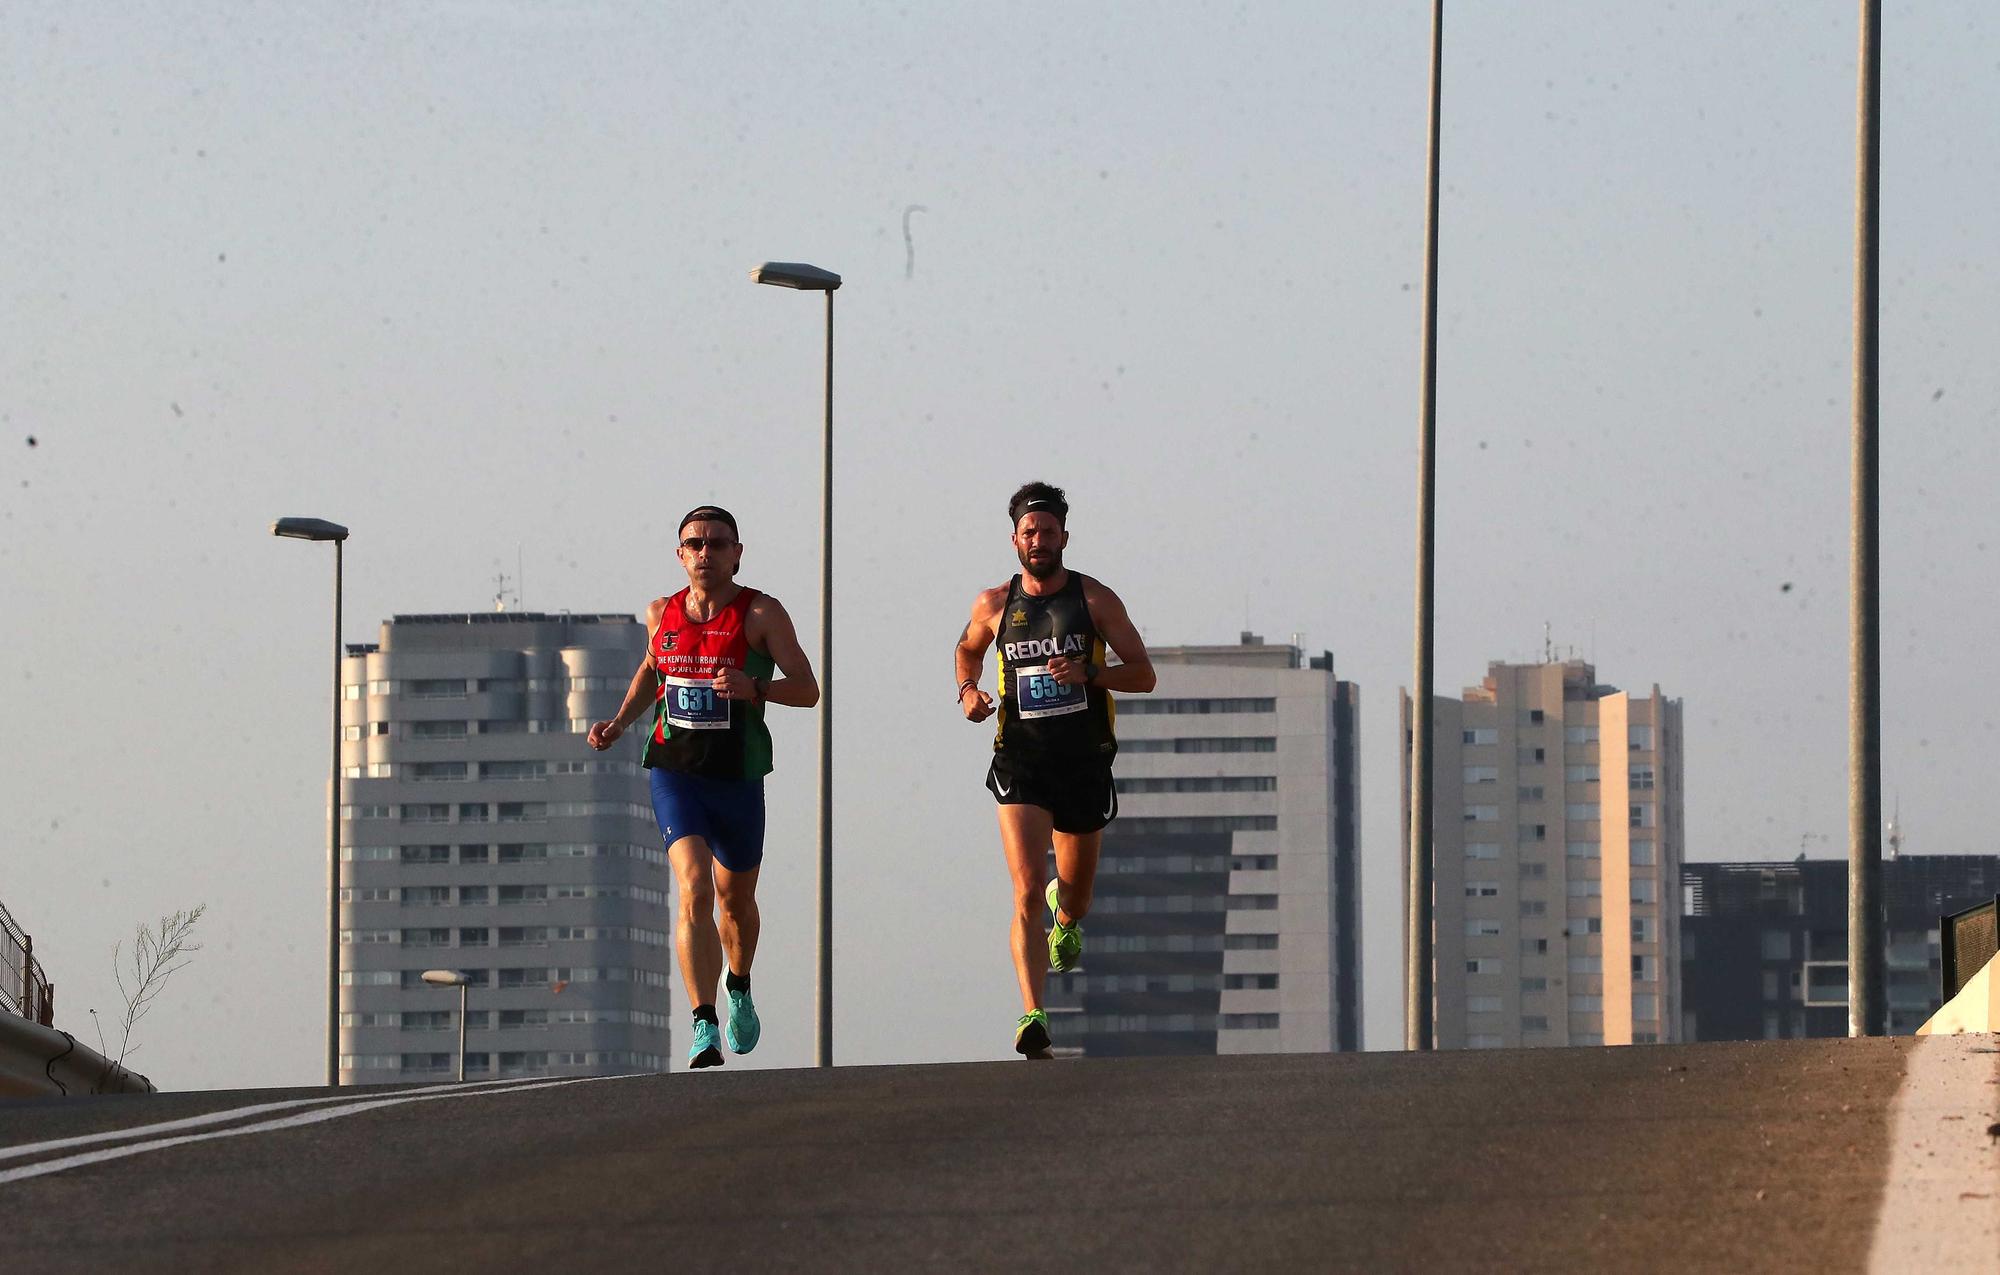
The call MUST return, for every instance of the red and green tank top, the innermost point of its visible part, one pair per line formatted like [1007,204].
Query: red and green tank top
[1039,716]
[694,729]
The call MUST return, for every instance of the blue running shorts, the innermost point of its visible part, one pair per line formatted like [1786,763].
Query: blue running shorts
[726,813]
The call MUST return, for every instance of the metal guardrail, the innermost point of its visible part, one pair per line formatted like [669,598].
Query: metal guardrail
[25,990]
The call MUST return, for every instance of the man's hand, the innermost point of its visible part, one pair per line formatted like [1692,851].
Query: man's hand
[734,683]
[604,734]
[1069,672]
[976,704]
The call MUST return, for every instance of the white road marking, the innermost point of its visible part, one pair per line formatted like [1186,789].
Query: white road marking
[286,1122]
[224,1117]
[1941,1204]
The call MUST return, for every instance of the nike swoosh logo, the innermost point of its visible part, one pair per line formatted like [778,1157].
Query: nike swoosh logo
[1003,789]
[1111,803]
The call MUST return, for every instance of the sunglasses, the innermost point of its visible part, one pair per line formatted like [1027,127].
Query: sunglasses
[695,544]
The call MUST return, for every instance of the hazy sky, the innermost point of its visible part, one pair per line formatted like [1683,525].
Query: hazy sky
[471,278]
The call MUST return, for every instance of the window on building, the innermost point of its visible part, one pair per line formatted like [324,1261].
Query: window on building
[511,770]
[1250,942]
[1581,811]
[1534,1022]
[1643,929]
[1642,815]
[1777,945]
[1483,965]
[1482,1004]
[1530,757]
[1534,947]
[1198,783]
[1481,814]
[1152,705]
[508,894]
[1533,832]
[1534,871]
[437,730]
[1642,777]
[1482,889]
[1645,890]
[1585,889]
[1579,734]
[1586,965]
[428,936]
[1245,982]
[1586,1004]
[1482,849]
[1642,851]
[1581,850]
[1481,929]
[1482,774]
[1535,715]
[435,688]
[1645,1008]
[1531,986]
[472,936]
[1534,907]
[1641,738]
[1485,1040]
[434,772]
[1580,774]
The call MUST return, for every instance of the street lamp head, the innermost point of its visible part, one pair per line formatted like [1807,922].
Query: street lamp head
[445,978]
[308,529]
[796,274]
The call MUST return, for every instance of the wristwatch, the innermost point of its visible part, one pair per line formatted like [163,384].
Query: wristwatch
[1090,671]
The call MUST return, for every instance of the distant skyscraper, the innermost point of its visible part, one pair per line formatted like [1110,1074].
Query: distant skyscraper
[1557,818]
[1224,917]
[479,833]
[1764,945]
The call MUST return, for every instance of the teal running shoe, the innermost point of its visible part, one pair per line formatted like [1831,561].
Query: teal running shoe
[706,1051]
[743,1029]
[1031,1035]
[1065,941]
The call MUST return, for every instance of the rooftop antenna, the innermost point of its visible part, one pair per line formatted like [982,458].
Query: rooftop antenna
[500,592]
[1548,643]
[519,576]
[1895,839]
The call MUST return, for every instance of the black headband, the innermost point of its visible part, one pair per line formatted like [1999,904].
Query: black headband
[708,513]
[1041,504]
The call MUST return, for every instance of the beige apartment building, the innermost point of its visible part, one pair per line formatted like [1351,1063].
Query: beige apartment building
[1558,832]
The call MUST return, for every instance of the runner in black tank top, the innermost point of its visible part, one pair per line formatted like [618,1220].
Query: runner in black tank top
[1055,740]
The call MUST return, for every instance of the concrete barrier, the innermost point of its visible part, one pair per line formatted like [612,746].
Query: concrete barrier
[1976,1008]
[38,1061]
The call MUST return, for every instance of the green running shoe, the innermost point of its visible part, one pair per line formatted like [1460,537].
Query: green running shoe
[1065,941]
[743,1029]
[706,1051]
[1031,1035]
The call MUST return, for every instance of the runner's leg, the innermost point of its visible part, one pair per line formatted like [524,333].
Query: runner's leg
[739,922]
[1076,872]
[1024,838]
[696,942]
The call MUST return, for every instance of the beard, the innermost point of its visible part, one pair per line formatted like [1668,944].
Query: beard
[1043,568]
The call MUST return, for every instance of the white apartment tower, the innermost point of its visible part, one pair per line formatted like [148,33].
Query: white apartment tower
[478,832]
[1224,918]
[1558,842]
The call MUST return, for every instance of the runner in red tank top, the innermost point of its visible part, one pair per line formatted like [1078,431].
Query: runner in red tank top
[711,651]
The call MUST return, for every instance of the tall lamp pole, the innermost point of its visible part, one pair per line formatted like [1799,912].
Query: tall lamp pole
[1417,990]
[321,529]
[1867,1010]
[793,274]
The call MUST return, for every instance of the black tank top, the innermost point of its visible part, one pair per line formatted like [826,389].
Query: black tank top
[1038,716]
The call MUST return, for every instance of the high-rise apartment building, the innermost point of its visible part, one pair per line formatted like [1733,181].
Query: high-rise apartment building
[1764,945]
[1224,918]
[479,833]
[1558,844]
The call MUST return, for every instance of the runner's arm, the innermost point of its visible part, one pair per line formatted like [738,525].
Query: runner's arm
[770,629]
[639,696]
[1134,676]
[970,653]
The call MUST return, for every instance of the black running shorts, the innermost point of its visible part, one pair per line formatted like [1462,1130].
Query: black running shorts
[1079,794]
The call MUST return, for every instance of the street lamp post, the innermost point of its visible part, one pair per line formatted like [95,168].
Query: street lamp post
[792,274]
[1867,1006]
[452,978]
[1418,993]
[321,529]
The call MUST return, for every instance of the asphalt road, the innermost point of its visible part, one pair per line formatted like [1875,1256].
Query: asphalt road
[1702,1157]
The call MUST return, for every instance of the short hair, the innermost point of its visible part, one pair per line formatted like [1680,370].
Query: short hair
[709,513]
[1044,497]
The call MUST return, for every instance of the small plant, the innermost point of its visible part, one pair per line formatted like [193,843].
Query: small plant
[156,954]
